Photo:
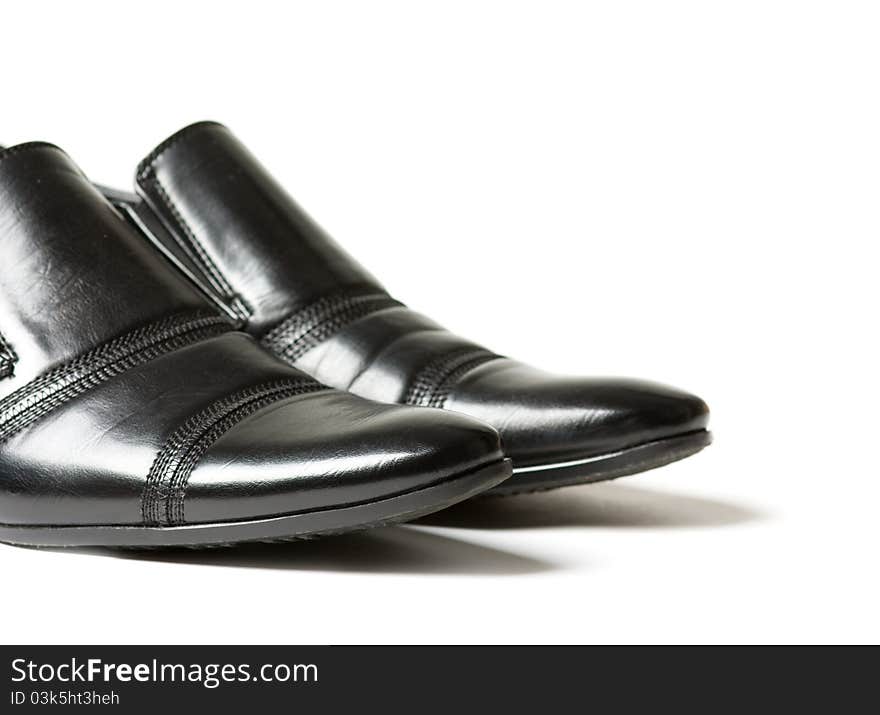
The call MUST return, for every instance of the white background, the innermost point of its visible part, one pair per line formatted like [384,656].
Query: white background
[684,191]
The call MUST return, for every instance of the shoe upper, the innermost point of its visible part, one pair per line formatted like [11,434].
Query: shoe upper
[229,223]
[127,397]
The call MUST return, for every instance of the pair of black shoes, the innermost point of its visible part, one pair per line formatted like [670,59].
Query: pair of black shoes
[199,363]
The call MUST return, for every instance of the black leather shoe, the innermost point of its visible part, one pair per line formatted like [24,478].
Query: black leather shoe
[132,413]
[206,200]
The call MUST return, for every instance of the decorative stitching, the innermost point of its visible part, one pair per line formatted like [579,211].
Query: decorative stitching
[196,251]
[8,358]
[433,384]
[148,177]
[150,161]
[164,493]
[314,323]
[54,388]
[27,146]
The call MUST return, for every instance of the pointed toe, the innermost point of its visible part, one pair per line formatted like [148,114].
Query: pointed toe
[280,461]
[636,411]
[568,430]
[320,311]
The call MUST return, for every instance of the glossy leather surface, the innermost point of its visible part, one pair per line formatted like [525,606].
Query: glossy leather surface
[183,181]
[297,291]
[132,400]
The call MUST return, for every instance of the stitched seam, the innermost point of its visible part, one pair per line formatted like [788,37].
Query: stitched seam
[28,146]
[433,384]
[197,251]
[165,490]
[49,391]
[150,161]
[376,356]
[316,322]
[445,388]
[147,174]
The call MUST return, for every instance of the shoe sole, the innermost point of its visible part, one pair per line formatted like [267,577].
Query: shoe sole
[301,525]
[604,467]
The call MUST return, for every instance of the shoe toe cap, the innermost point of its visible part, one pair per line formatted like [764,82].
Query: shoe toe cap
[332,449]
